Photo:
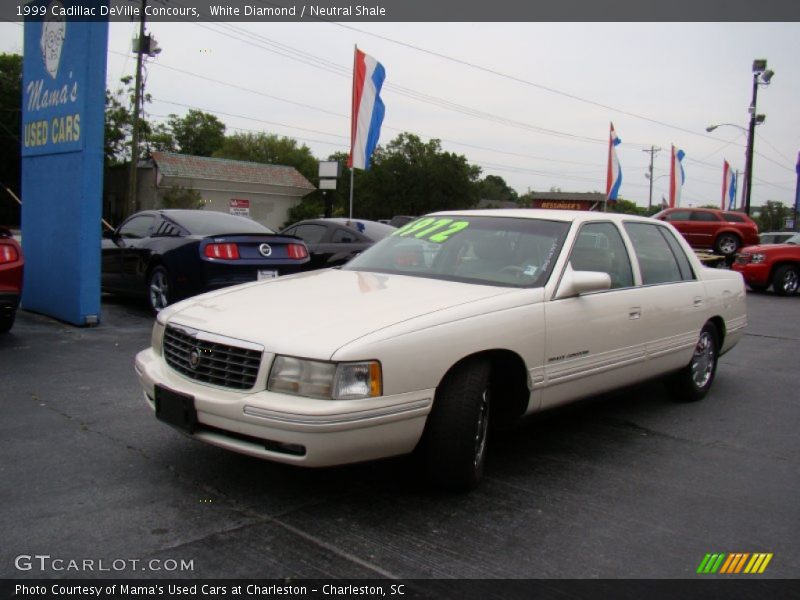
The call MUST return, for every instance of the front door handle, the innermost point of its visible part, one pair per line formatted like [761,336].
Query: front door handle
[635,312]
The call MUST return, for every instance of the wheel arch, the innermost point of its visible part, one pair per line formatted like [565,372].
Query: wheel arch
[509,379]
[719,324]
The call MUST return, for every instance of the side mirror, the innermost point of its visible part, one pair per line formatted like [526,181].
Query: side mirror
[575,283]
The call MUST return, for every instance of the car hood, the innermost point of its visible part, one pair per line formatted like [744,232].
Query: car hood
[768,247]
[314,314]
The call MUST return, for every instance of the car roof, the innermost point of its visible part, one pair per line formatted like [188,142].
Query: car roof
[546,214]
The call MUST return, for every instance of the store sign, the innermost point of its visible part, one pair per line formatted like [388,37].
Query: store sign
[240,208]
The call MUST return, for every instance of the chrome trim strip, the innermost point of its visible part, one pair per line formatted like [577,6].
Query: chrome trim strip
[353,417]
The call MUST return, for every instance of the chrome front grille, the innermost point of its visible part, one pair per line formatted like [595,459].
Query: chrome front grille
[211,359]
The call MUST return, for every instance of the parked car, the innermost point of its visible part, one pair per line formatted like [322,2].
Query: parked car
[12,264]
[776,265]
[775,237]
[168,255]
[456,320]
[724,232]
[333,242]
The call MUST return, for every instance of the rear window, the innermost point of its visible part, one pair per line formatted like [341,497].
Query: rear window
[201,222]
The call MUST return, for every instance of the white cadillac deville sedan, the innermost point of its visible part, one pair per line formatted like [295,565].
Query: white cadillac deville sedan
[458,320]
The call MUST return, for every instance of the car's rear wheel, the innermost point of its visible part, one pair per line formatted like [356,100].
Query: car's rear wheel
[693,381]
[158,290]
[7,320]
[457,430]
[727,244]
[786,280]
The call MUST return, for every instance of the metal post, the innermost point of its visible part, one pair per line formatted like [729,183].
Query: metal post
[133,198]
[748,169]
[652,152]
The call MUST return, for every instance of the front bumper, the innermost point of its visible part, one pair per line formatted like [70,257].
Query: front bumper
[755,273]
[291,429]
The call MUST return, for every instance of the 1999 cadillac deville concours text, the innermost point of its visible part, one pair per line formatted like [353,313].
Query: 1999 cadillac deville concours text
[457,321]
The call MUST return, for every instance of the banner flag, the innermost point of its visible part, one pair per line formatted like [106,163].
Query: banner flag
[614,172]
[367,110]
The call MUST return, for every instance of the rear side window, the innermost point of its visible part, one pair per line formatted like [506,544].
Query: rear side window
[311,234]
[701,215]
[137,227]
[343,236]
[661,259]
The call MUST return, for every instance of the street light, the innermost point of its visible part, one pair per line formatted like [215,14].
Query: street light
[761,76]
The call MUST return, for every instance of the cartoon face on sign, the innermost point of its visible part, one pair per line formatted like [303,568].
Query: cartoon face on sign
[54,30]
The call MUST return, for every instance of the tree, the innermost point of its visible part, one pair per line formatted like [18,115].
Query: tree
[197,133]
[181,197]
[772,216]
[10,127]
[268,148]
[119,124]
[496,189]
[410,177]
[626,207]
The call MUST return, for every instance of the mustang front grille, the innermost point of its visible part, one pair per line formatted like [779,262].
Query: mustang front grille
[201,357]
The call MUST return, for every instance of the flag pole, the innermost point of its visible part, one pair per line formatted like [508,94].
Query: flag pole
[352,126]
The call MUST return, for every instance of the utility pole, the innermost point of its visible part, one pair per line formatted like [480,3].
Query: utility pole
[133,198]
[652,151]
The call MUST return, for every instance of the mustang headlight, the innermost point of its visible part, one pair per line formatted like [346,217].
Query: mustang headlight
[328,381]
[157,337]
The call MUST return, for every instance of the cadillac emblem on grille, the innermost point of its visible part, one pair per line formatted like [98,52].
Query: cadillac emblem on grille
[194,358]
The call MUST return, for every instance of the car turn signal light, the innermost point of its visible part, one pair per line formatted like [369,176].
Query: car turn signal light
[297,251]
[8,254]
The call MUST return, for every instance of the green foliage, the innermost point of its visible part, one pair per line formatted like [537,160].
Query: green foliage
[180,197]
[268,148]
[412,177]
[10,127]
[772,216]
[119,123]
[197,133]
[626,207]
[496,189]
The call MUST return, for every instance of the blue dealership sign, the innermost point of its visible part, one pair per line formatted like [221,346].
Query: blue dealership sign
[63,104]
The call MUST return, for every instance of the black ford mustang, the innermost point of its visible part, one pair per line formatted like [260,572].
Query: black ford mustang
[168,255]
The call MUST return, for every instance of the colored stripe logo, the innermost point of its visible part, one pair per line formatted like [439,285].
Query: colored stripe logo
[734,563]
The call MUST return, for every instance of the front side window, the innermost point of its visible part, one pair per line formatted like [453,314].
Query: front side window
[661,259]
[679,215]
[704,216]
[500,251]
[599,247]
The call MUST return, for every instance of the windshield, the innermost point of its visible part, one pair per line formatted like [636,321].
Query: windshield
[501,251]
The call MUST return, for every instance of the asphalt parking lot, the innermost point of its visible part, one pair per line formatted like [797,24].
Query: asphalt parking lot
[631,485]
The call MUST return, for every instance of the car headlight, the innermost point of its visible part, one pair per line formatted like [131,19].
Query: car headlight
[758,257]
[325,380]
[157,337]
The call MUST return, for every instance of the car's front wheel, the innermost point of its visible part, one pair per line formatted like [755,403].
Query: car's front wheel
[693,381]
[727,244]
[458,427]
[158,292]
[786,280]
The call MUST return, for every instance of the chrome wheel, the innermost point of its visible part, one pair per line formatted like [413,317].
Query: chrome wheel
[159,289]
[727,244]
[703,361]
[790,281]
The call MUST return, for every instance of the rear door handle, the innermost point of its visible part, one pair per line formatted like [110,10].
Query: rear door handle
[698,301]
[635,312]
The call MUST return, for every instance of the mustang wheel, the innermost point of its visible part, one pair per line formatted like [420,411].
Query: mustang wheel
[458,427]
[158,289]
[727,244]
[693,381]
[786,280]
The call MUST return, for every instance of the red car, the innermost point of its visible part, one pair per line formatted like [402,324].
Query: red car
[777,265]
[724,232]
[11,263]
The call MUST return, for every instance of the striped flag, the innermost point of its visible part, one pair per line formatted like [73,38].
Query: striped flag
[368,109]
[614,172]
[728,187]
[676,177]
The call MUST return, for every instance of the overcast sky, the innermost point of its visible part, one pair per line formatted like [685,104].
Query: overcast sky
[530,102]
